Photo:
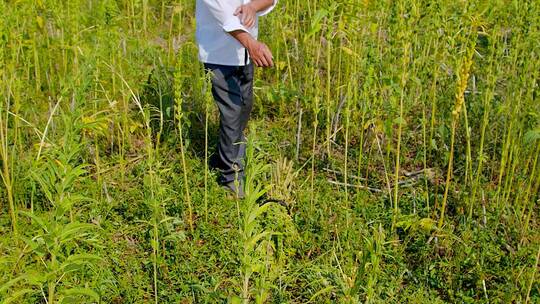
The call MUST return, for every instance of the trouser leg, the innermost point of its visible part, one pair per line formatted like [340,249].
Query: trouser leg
[232,88]
[246,81]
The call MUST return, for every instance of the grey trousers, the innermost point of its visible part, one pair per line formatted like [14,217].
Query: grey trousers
[232,88]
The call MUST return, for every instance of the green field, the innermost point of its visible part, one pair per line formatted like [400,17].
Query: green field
[393,156]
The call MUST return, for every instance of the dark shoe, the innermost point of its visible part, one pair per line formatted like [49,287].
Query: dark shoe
[214,163]
[232,187]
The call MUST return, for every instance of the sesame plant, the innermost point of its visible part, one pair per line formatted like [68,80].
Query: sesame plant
[393,156]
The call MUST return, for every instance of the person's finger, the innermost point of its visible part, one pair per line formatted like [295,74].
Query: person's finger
[263,61]
[268,58]
[238,11]
[251,21]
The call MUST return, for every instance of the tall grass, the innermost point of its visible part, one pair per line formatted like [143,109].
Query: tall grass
[412,126]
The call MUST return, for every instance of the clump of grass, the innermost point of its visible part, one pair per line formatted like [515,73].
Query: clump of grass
[52,235]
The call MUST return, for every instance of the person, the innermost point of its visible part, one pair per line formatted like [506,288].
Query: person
[226,32]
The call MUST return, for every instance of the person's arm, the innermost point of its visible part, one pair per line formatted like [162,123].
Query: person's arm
[259,53]
[248,12]
[224,14]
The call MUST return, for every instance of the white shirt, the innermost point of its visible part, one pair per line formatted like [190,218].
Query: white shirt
[215,19]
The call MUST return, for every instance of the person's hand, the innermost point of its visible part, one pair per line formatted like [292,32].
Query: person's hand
[260,54]
[247,14]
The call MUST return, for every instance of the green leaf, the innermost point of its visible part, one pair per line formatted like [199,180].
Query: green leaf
[256,211]
[35,219]
[427,224]
[83,257]
[532,135]
[30,243]
[72,174]
[35,278]
[12,282]
[321,292]
[405,224]
[44,185]
[400,121]
[169,218]
[79,259]
[16,295]
[252,241]
[77,292]
[74,230]
[235,300]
